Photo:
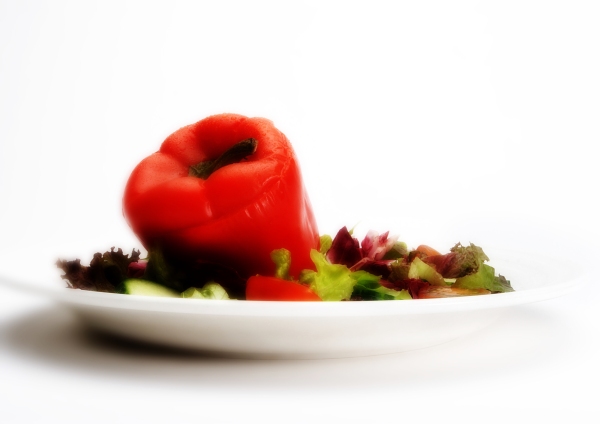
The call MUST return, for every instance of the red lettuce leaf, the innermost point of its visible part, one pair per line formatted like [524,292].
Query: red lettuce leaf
[367,256]
[461,261]
[413,285]
[345,249]
[105,273]
[380,268]
[375,246]
[137,269]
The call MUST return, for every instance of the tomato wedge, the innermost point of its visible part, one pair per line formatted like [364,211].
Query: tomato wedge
[260,287]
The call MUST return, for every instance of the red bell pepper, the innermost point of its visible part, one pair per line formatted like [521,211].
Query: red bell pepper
[272,288]
[227,190]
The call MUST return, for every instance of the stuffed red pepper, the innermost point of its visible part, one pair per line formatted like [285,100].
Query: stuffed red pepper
[228,190]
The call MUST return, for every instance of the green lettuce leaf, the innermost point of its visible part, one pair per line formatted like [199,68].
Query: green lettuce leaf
[368,288]
[325,243]
[331,282]
[283,261]
[399,270]
[503,285]
[421,270]
[467,260]
[335,282]
[397,251]
[484,278]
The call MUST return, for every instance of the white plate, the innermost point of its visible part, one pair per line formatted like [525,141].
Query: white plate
[314,329]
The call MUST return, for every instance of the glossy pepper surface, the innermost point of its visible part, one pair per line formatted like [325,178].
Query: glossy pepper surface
[235,214]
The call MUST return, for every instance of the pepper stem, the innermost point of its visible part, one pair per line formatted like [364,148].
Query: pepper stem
[234,154]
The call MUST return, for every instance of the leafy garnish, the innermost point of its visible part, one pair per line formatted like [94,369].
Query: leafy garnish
[420,270]
[137,269]
[484,278]
[399,270]
[380,268]
[374,254]
[368,287]
[106,271]
[398,250]
[375,246]
[283,261]
[331,282]
[345,249]
[414,286]
[325,243]
[334,282]
[503,284]
[461,261]
[473,251]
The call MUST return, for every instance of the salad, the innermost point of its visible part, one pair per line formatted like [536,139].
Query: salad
[223,213]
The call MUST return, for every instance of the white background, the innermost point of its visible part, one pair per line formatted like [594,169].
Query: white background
[440,121]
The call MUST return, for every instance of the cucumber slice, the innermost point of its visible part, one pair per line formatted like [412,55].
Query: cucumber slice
[209,291]
[147,288]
